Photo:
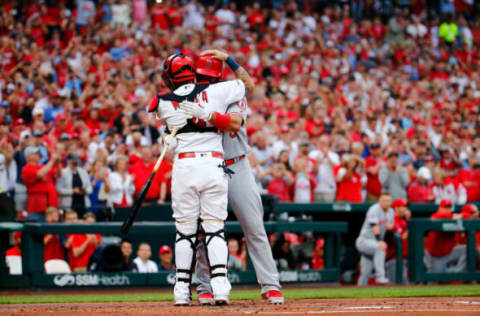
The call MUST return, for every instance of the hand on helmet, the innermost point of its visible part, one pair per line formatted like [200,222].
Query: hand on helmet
[217,54]
[195,110]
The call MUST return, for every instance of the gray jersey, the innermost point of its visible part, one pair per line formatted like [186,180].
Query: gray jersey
[236,144]
[376,216]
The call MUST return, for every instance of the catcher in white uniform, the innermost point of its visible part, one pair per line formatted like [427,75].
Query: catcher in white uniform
[199,175]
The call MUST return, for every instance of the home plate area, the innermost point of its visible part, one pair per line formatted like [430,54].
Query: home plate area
[395,306]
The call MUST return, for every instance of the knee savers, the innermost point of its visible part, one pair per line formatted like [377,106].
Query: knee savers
[216,246]
[185,245]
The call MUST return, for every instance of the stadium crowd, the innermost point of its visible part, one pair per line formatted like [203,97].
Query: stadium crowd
[352,99]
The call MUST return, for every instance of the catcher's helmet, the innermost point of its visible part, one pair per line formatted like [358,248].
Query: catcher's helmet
[209,66]
[177,69]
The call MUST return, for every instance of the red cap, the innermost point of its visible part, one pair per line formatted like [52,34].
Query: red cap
[19,121]
[17,234]
[54,94]
[61,116]
[467,211]
[437,122]
[165,249]
[320,243]
[399,203]
[445,203]
[416,118]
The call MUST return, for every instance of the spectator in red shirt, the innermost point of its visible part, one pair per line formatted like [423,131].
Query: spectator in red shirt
[84,245]
[443,254]
[373,164]
[256,18]
[280,183]
[159,16]
[15,250]
[448,161]
[142,170]
[400,223]
[470,178]
[52,247]
[318,260]
[420,191]
[40,183]
[70,217]
[469,211]
[349,182]
[13,255]
[304,153]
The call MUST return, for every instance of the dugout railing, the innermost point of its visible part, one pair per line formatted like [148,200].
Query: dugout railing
[419,228]
[32,254]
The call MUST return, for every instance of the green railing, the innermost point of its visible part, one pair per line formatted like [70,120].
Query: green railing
[163,212]
[424,209]
[32,254]
[416,232]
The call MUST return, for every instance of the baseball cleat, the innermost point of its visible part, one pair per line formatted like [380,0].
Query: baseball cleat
[182,302]
[205,298]
[382,281]
[221,300]
[273,297]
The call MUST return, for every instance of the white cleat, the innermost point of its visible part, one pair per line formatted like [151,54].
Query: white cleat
[382,281]
[221,300]
[182,302]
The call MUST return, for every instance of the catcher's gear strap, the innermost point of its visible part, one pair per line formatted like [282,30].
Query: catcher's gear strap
[188,238]
[209,236]
[192,239]
[193,128]
[170,96]
[218,274]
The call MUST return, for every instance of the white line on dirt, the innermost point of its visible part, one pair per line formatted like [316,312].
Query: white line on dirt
[467,302]
[366,307]
[363,311]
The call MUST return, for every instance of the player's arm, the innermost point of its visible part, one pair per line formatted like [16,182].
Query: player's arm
[239,71]
[235,121]
[224,122]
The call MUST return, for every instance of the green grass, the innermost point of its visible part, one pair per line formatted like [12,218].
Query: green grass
[308,293]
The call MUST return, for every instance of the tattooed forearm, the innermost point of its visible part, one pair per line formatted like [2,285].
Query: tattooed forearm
[243,75]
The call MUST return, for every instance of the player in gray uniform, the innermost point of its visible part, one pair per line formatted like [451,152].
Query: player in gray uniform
[243,196]
[370,243]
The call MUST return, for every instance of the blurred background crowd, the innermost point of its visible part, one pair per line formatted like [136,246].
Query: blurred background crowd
[352,98]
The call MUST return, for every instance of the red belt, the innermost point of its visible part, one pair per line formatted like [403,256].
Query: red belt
[214,154]
[230,162]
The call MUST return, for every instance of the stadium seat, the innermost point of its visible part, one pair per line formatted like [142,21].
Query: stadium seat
[14,264]
[55,266]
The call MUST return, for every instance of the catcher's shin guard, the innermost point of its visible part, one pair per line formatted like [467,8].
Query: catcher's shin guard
[185,245]
[217,256]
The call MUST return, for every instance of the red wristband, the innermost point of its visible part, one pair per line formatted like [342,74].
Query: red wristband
[222,121]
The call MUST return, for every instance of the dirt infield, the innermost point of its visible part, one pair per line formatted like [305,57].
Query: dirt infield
[358,307]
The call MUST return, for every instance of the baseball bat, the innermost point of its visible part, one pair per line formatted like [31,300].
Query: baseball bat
[127,224]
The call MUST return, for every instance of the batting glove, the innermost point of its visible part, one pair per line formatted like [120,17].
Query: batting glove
[170,141]
[195,110]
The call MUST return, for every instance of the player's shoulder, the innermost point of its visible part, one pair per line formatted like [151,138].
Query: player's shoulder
[226,84]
